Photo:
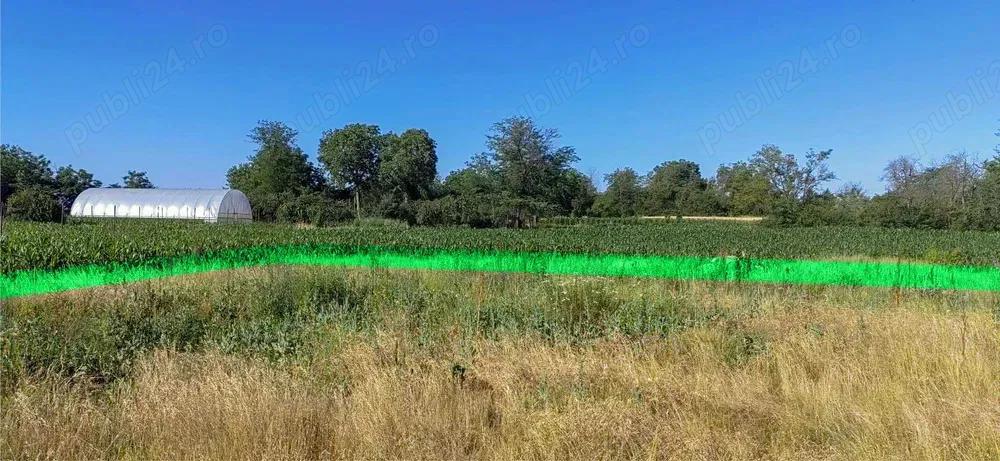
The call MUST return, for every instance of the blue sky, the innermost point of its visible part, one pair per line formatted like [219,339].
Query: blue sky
[174,89]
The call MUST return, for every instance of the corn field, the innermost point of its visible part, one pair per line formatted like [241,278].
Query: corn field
[27,246]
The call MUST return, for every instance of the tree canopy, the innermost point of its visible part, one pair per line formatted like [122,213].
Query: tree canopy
[676,187]
[137,180]
[21,170]
[409,164]
[351,155]
[277,170]
[623,195]
[523,175]
[70,182]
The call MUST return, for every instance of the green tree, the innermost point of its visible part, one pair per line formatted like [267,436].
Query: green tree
[984,209]
[851,203]
[986,206]
[137,180]
[20,169]
[576,193]
[937,196]
[677,187]
[778,168]
[479,177]
[743,191]
[277,171]
[70,182]
[277,165]
[522,176]
[788,179]
[623,195]
[351,156]
[528,160]
[409,164]
[792,185]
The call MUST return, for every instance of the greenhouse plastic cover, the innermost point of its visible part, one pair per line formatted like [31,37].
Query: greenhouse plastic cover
[210,205]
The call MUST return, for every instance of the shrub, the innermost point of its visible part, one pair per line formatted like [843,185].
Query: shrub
[33,204]
[440,212]
[314,209]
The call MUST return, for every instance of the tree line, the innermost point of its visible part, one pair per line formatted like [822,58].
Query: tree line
[526,173]
[30,190]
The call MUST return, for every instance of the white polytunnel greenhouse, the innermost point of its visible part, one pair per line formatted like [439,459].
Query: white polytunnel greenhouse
[210,205]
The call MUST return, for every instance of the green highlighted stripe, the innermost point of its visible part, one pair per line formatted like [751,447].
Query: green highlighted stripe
[809,272]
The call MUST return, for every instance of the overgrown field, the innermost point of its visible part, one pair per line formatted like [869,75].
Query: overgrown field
[311,362]
[48,246]
[293,362]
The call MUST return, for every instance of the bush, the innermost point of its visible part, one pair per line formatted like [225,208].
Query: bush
[265,206]
[890,210]
[480,211]
[314,209]
[440,212]
[34,204]
[820,211]
[391,206]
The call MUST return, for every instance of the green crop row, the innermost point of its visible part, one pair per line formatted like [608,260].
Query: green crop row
[26,246]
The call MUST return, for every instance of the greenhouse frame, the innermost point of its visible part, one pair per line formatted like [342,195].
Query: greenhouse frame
[209,205]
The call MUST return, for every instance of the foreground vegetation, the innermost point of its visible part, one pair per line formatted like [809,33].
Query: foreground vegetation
[333,363]
[49,246]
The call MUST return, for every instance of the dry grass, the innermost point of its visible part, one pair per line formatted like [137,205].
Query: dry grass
[807,377]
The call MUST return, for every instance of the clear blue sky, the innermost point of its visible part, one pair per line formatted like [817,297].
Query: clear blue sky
[173,89]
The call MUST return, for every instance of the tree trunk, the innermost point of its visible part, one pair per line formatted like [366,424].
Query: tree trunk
[357,203]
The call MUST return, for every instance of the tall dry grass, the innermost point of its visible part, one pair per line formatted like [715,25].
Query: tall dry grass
[794,373]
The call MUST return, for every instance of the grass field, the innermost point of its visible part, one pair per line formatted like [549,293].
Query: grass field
[332,363]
